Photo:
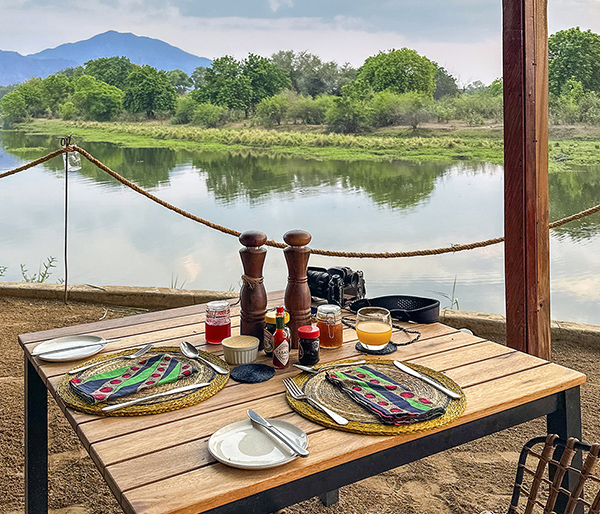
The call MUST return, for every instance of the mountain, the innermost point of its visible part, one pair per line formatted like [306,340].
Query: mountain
[15,67]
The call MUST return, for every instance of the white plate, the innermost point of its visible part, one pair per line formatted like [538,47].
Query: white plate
[247,446]
[63,343]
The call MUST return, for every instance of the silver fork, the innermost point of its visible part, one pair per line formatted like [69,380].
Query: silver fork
[135,355]
[298,394]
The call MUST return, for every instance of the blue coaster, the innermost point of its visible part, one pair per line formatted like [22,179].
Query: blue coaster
[252,373]
[387,349]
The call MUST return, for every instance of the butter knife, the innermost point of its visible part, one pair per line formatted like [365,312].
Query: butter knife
[258,419]
[431,382]
[78,347]
[191,387]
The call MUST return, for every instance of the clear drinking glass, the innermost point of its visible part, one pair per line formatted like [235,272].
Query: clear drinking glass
[373,327]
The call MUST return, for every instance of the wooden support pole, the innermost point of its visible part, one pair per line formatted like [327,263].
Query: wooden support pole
[527,260]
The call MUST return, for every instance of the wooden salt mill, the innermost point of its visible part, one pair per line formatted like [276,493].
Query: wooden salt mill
[297,294]
[253,297]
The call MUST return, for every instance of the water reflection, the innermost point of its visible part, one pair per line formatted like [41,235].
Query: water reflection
[119,237]
[571,192]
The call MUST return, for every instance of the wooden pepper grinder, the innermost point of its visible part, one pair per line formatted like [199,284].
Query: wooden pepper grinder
[297,294]
[253,297]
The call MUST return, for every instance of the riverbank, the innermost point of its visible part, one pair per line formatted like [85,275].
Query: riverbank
[433,142]
[469,479]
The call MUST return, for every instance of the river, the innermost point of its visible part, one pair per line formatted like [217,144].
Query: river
[117,237]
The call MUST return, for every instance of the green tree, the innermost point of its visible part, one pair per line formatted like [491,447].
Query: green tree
[445,84]
[13,107]
[198,76]
[112,70]
[96,100]
[309,75]
[399,71]
[180,80]
[574,54]
[56,89]
[224,84]
[265,78]
[33,94]
[149,90]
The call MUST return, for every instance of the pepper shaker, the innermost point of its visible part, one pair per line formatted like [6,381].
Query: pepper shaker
[297,296]
[253,297]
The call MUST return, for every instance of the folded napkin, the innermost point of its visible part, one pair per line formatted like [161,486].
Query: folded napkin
[394,403]
[143,373]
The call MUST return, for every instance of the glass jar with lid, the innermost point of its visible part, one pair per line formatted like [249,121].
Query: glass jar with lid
[218,321]
[329,321]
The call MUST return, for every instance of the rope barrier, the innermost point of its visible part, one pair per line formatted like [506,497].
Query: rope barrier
[276,244]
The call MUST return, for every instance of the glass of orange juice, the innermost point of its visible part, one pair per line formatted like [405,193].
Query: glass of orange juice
[374,327]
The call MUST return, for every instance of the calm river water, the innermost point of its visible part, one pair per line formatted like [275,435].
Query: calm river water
[118,237]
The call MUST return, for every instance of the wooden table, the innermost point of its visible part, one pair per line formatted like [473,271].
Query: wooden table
[158,464]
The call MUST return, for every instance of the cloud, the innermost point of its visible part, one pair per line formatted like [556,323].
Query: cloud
[462,35]
[276,4]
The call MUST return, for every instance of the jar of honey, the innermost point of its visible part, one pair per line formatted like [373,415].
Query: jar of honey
[329,321]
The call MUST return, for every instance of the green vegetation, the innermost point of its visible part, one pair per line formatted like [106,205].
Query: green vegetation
[43,274]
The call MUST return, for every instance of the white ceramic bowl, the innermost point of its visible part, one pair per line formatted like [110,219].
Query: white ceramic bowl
[240,349]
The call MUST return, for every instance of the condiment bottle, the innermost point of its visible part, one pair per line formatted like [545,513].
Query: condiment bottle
[270,327]
[329,321]
[218,322]
[308,345]
[281,342]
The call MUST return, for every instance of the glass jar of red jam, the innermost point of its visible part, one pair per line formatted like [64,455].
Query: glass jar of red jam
[218,321]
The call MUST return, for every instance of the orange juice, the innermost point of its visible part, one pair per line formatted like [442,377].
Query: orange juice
[373,333]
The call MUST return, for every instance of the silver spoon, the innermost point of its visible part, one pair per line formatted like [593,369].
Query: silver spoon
[135,355]
[189,350]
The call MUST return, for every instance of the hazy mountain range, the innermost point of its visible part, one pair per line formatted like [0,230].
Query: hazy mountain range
[15,67]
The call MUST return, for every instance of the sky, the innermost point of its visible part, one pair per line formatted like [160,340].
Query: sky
[464,36]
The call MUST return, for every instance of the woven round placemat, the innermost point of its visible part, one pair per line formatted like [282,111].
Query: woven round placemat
[158,405]
[360,420]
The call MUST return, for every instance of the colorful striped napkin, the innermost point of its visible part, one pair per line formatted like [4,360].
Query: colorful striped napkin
[143,373]
[394,403]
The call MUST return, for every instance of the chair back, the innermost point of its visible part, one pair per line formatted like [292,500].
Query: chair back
[551,479]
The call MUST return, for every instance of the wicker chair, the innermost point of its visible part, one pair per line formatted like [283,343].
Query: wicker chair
[548,485]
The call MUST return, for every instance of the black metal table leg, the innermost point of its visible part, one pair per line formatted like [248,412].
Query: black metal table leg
[566,422]
[36,442]
[330,498]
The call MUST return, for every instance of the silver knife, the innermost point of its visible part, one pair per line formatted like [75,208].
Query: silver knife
[191,387]
[428,380]
[257,418]
[78,347]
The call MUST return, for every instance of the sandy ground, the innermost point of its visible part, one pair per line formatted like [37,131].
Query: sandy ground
[469,479]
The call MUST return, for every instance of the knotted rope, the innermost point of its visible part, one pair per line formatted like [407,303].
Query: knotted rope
[276,244]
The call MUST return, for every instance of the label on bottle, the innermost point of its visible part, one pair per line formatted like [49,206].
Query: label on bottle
[282,353]
[268,342]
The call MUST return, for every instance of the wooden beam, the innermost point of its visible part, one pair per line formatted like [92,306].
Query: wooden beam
[527,261]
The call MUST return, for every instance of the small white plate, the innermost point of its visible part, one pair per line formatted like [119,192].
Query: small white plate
[83,346]
[247,446]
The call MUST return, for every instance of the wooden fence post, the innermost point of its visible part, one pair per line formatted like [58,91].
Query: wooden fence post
[527,260]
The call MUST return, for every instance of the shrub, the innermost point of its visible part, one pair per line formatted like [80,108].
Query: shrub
[184,110]
[477,107]
[67,111]
[209,115]
[272,110]
[346,115]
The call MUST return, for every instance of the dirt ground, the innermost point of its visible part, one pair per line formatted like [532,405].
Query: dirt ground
[469,479]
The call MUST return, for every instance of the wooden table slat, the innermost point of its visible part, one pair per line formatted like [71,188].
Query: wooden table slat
[223,485]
